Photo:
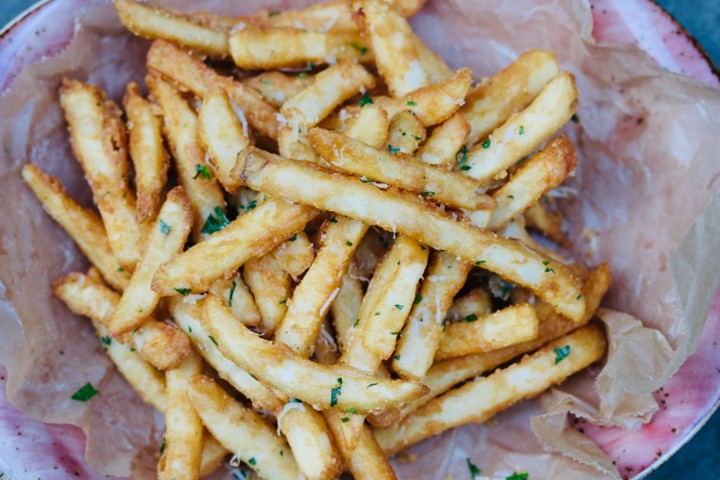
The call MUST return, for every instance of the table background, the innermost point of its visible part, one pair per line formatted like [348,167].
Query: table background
[699,458]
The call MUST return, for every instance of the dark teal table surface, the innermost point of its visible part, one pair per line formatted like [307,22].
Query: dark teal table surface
[700,457]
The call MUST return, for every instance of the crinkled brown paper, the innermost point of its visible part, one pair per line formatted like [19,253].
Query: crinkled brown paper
[648,188]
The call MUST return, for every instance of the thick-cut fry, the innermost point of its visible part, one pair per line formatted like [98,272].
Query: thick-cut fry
[222,253]
[432,104]
[398,169]
[550,224]
[242,431]
[222,135]
[295,255]
[524,131]
[509,326]
[477,302]
[188,316]
[180,127]
[321,386]
[393,43]
[236,295]
[146,151]
[97,136]
[190,73]
[435,67]
[332,16]
[84,226]
[183,428]
[541,173]
[270,285]
[155,22]
[317,290]
[370,126]
[423,330]
[445,142]
[406,133]
[346,307]
[510,90]
[254,48]
[278,87]
[480,399]
[159,343]
[403,213]
[166,239]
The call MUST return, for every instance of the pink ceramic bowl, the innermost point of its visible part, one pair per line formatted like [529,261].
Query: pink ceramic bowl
[687,401]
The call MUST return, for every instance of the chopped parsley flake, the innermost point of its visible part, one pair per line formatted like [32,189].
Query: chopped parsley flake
[575,118]
[561,353]
[252,461]
[293,238]
[427,193]
[189,329]
[120,269]
[479,262]
[348,243]
[303,75]
[411,103]
[282,302]
[470,318]
[474,470]
[212,339]
[251,205]
[232,292]
[85,393]
[399,307]
[106,340]
[345,419]
[392,149]
[418,299]
[377,314]
[332,220]
[162,446]
[356,323]
[352,410]
[465,168]
[486,143]
[518,476]
[371,385]
[183,291]
[215,222]
[267,81]
[522,130]
[463,155]
[363,50]
[578,297]
[396,357]
[335,392]
[202,170]
[164,227]
[511,197]
[365,99]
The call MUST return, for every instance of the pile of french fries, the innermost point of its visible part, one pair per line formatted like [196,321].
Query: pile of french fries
[342,238]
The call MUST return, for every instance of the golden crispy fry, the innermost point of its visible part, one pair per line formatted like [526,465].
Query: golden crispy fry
[159,343]
[222,135]
[222,253]
[84,226]
[435,67]
[397,169]
[166,239]
[270,284]
[370,126]
[516,229]
[317,290]
[333,16]
[480,399]
[146,151]
[155,22]
[254,48]
[366,461]
[236,295]
[310,441]
[541,173]
[183,428]
[548,223]
[190,73]
[212,456]
[321,386]
[477,302]
[188,315]
[510,90]
[423,330]
[432,104]
[97,136]
[346,307]
[278,87]
[393,43]
[180,128]
[445,142]
[509,326]
[395,211]
[524,131]
[295,255]
[406,133]
[242,431]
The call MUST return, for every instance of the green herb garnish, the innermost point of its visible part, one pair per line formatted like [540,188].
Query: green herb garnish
[85,393]
[561,353]
[202,170]
[215,222]
[365,99]
[335,392]
[183,291]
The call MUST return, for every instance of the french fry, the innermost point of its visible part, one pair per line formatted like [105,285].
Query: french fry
[395,211]
[317,290]
[524,131]
[515,228]
[84,226]
[540,219]
[270,284]
[183,428]
[166,239]
[397,169]
[541,173]
[370,126]
[509,326]
[97,136]
[480,399]
[296,377]
[190,73]
[406,133]
[393,44]
[254,48]
[237,297]
[445,142]
[333,16]
[212,455]
[188,317]
[435,67]
[477,302]
[158,343]
[146,151]
[155,22]
[242,431]
[510,90]
[295,255]
[345,308]
[222,253]
[277,87]
[180,128]
[432,104]
[423,331]
[222,136]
